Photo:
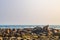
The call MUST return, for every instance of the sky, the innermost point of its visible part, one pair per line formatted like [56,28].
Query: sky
[29,12]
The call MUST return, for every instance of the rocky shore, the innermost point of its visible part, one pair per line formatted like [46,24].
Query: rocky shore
[36,33]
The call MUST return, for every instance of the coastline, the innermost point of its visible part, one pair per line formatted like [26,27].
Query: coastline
[37,33]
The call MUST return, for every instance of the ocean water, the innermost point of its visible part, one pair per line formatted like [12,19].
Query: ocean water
[27,26]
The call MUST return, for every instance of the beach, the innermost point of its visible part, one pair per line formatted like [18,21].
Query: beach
[29,33]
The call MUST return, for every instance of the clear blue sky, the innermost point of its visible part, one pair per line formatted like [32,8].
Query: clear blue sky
[29,11]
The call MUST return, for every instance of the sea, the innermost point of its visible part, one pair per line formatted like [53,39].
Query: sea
[28,26]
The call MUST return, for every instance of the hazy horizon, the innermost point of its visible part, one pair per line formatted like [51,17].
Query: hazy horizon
[29,12]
